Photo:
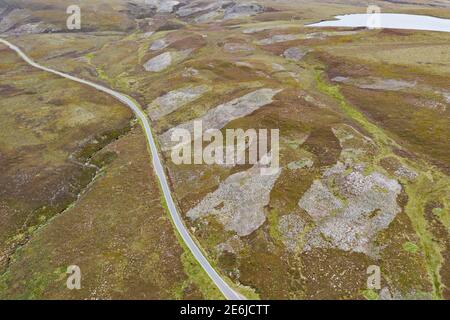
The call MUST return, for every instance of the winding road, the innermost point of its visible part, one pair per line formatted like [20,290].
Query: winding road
[223,286]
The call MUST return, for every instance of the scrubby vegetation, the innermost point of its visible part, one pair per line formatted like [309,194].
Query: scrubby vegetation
[364,153]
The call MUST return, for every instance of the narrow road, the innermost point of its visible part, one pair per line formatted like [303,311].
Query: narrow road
[226,290]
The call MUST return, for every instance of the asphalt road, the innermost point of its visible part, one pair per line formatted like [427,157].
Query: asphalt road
[223,286]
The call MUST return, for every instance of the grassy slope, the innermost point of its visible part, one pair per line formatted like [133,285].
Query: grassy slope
[117,233]
[152,279]
[43,133]
[263,263]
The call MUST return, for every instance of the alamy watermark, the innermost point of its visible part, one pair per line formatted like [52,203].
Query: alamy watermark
[237,147]
[74,20]
[373,17]
[374,277]
[74,280]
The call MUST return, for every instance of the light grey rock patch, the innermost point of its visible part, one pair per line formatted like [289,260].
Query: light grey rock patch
[10,20]
[279,38]
[388,84]
[315,239]
[34,28]
[340,79]
[338,169]
[241,10]
[349,209]
[13,24]
[319,201]
[174,100]
[163,6]
[167,6]
[159,63]
[406,173]
[359,167]
[238,203]
[197,7]
[291,227]
[209,16]
[376,83]
[385,294]
[295,53]
[219,116]
[159,45]
[237,47]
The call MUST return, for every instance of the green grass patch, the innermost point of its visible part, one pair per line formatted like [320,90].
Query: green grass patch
[199,277]
[410,247]
[334,92]
[370,294]
[273,227]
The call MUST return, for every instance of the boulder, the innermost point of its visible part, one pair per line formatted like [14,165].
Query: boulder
[159,63]
[241,10]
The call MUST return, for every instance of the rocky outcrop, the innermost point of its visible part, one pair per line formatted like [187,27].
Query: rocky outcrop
[376,83]
[10,20]
[197,7]
[406,173]
[242,10]
[238,204]
[291,228]
[349,209]
[209,16]
[349,205]
[319,201]
[398,169]
[159,45]
[219,116]
[166,59]
[20,21]
[163,6]
[159,63]
[295,54]
[174,100]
